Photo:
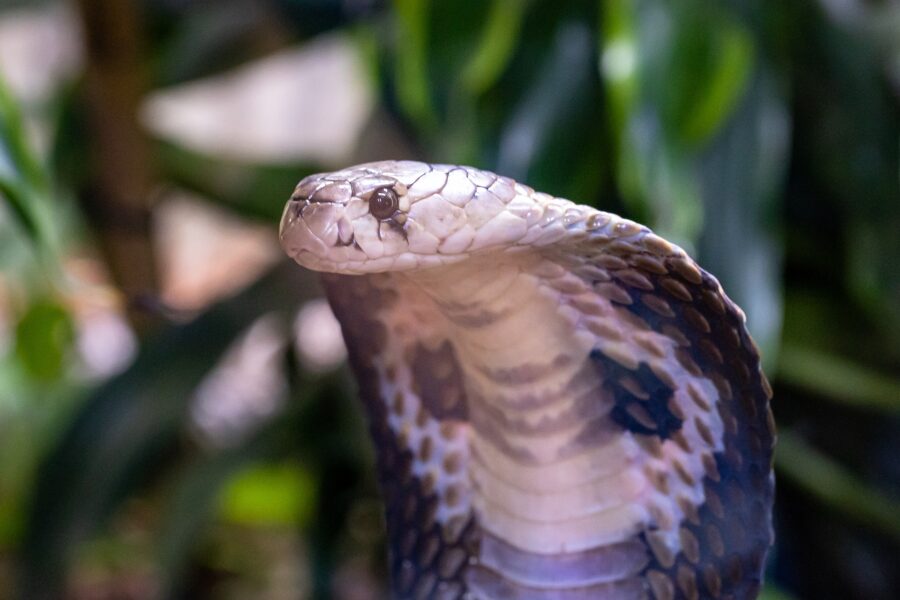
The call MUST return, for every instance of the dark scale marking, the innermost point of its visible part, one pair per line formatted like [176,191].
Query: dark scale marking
[438,381]
[396,227]
[423,556]
[733,528]
[657,405]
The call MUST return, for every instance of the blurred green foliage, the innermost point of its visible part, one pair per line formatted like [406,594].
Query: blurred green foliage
[762,136]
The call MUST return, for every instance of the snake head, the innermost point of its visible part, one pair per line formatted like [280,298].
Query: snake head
[399,215]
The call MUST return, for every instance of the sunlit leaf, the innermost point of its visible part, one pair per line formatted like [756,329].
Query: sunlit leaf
[269,496]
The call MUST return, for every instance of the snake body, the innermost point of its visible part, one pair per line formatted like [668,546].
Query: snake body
[564,405]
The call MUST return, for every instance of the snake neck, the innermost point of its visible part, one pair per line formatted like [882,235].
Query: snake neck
[546,484]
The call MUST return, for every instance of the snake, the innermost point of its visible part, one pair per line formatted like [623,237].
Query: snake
[563,404]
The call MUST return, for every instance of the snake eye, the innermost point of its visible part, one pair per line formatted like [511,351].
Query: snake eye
[383,203]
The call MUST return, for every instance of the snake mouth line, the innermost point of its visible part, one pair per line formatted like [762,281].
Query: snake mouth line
[351,241]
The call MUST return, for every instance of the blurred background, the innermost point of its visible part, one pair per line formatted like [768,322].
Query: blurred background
[175,417]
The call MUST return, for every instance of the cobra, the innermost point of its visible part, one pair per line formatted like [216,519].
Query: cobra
[564,405]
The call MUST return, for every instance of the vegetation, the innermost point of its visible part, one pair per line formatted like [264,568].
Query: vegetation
[764,137]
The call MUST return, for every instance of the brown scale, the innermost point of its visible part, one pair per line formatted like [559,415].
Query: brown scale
[723,549]
[438,381]
[426,560]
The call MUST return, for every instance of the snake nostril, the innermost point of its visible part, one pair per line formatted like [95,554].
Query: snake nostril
[292,213]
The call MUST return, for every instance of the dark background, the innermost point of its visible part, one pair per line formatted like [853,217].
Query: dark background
[170,426]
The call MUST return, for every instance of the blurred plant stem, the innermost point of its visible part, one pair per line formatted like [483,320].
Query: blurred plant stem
[116,194]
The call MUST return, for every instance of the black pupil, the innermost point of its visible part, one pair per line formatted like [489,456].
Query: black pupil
[383,203]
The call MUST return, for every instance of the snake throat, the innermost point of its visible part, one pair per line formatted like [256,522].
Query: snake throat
[563,404]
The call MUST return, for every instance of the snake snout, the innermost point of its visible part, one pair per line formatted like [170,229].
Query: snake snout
[322,221]
[308,231]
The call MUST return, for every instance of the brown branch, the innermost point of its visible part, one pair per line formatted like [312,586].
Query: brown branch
[116,197]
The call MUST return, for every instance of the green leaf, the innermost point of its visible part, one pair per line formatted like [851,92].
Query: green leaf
[734,51]
[551,139]
[499,37]
[835,486]
[411,62]
[44,337]
[23,180]
[838,379]
[618,64]
[269,495]
[674,73]
[699,69]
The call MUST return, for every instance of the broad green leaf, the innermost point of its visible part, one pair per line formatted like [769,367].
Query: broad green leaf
[698,69]
[654,174]
[658,183]
[674,73]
